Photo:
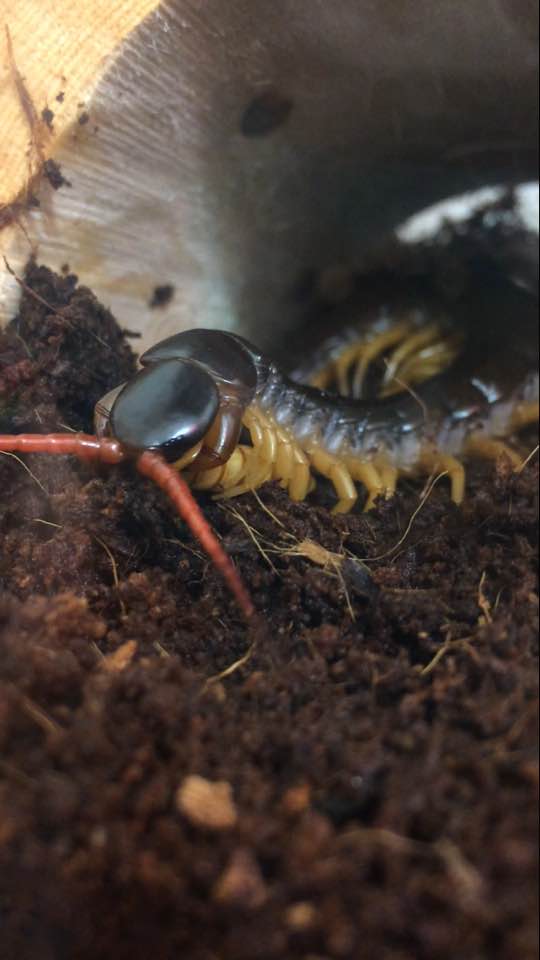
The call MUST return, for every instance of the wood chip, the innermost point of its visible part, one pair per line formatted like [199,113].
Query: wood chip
[301,916]
[207,803]
[120,658]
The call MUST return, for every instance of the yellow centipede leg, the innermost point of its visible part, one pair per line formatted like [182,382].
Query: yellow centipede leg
[437,461]
[206,479]
[406,348]
[389,477]
[343,364]
[262,432]
[344,487]
[268,450]
[524,414]
[490,449]
[337,472]
[252,422]
[283,463]
[300,479]
[235,468]
[428,362]
[372,349]
[256,473]
[366,473]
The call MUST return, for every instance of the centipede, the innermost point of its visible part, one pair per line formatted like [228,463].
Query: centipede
[408,391]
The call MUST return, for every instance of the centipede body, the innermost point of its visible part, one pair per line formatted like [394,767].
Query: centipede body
[454,390]
[407,392]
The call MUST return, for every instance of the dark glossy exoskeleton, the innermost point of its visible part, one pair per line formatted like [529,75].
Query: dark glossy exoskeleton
[190,395]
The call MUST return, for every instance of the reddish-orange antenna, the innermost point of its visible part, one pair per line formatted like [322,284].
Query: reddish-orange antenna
[85,446]
[151,465]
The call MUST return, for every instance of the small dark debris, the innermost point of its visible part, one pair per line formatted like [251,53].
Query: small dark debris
[265,113]
[358,800]
[358,578]
[83,118]
[161,295]
[54,175]
[60,97]
[48,116]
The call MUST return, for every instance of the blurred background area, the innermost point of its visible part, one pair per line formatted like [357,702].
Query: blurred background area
[200,166]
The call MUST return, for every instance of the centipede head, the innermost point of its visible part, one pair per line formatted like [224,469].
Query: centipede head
[167,407]
[186,402]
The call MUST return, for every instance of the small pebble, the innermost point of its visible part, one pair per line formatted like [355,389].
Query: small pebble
[296,799]
[207,803]
[301,916]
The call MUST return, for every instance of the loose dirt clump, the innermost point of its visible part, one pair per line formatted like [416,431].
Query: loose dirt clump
[357,781]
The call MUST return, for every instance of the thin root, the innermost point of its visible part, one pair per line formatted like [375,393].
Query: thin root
[527,460]
[423,501]
[463,642]
[114,567]
[6,453]
[253,534]
[232,668]
[483,602]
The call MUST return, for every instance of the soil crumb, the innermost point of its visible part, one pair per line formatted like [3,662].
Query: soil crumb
[47,116]
[54,175]
[161,295]
[363,785]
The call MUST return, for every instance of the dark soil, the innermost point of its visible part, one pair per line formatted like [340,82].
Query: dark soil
[362,785]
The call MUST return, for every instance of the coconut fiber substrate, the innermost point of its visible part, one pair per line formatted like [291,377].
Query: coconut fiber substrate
[357,779]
